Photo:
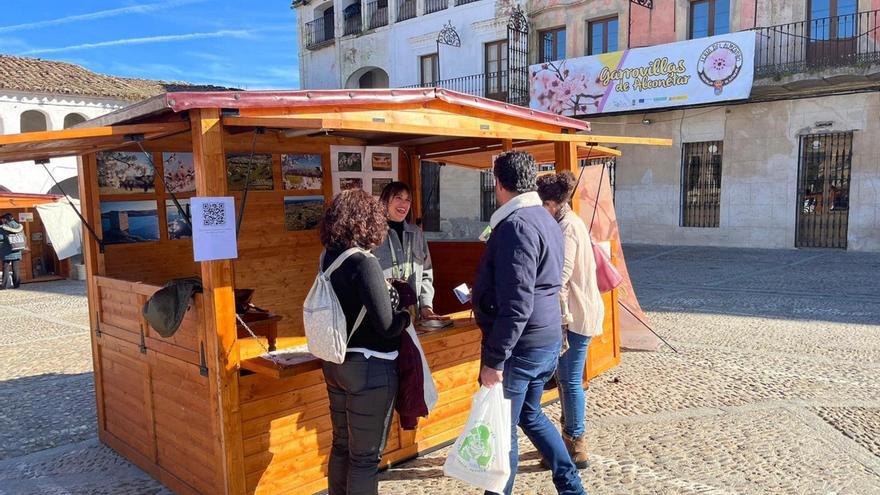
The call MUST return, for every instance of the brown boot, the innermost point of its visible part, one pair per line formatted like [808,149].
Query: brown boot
[577,448]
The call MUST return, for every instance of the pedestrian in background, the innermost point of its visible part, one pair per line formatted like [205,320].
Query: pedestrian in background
[10,251]
[581,306]
[516,305]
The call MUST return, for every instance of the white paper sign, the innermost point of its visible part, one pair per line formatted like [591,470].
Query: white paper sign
[25,217]
[213,228]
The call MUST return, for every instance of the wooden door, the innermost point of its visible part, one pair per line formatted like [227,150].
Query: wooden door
[832,31]
[495,65]
[823,190]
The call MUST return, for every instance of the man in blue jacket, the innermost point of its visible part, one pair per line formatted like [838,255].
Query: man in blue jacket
[516,304]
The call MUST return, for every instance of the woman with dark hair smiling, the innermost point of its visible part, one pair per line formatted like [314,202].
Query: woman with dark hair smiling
[363,388]
[404,253]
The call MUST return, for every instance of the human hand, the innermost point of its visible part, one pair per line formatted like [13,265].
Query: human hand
[489,377]
[427,313]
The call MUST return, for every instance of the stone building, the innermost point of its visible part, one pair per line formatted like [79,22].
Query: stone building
[45,95]
[796,164]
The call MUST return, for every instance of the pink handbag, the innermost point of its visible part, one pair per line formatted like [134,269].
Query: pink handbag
[607,276]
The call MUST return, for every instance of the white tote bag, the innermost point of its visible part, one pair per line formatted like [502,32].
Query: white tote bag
[481,454]
[430,387]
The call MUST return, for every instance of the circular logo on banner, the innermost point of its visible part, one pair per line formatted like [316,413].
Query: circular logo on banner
[476,449]
[719,64]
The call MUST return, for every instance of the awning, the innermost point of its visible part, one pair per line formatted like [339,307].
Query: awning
[71,142]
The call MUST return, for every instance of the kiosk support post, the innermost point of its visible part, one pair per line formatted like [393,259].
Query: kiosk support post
[220,329]
[567,161]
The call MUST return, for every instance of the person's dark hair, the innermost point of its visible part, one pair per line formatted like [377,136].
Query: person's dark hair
[7,217]
[354,219]
[516,171]
[393,189]
[556,187]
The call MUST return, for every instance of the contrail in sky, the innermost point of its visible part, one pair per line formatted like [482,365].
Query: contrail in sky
[101,14]
[233,33]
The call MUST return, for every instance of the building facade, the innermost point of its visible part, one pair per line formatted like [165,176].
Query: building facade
[45,95]
[797,164]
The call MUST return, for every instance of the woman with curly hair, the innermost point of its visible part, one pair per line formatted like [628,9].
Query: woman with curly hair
[363,388]
[582,309]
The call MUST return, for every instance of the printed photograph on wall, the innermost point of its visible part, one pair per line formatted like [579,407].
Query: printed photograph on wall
[129,221]
[179,172]
[178,228]
[302,212]
[124,172]
[301,172]
[347,158]
[346,183]
[382,158]
[237,166]
[379,185]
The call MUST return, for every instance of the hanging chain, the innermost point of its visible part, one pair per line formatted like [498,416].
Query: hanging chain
[268,355]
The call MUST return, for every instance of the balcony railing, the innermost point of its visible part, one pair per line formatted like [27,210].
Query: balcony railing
[494,85]
[377,14]
[352,25]
[464,2]
[435,5]
[406,9]
[318,32]
[846,40]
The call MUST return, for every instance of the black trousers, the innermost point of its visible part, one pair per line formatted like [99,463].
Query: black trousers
[362,393]
[11,268]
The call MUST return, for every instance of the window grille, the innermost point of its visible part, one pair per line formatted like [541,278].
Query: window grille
[487,195]
[701,184]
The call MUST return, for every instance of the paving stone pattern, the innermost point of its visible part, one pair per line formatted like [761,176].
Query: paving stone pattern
[774,388]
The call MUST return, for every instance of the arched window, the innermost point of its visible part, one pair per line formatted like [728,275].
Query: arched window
[70,186]
[33,121]
[73,119]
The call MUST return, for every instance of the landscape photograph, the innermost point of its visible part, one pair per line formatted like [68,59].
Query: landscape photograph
[124,172]
[301,172]
[302,212]
[237,166]
[126,222]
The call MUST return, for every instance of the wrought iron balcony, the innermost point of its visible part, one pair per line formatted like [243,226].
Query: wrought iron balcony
[464,2]
[377,14]
[806,46]
[318,32]
[352,25]
[432,6]
[406,9]
[510,86]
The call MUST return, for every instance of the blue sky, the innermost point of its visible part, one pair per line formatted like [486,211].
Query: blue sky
[247,44]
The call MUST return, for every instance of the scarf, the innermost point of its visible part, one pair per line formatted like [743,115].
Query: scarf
[524,200]
[563,210]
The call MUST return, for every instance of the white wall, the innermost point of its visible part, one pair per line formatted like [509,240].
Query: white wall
[396,48]
[27,177]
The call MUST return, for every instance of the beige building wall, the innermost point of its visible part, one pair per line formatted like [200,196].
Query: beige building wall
[759,170]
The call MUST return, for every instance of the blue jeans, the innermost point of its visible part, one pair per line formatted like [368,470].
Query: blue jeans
[570,377]
[525,374]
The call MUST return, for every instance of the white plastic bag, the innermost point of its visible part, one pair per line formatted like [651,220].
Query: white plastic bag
[481,454]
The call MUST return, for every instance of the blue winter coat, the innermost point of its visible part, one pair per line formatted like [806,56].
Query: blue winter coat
[5,248]
[516,294]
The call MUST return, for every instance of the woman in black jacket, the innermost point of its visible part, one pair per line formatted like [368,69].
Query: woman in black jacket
[362,389]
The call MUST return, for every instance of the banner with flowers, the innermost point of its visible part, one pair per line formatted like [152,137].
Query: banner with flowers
[705,70]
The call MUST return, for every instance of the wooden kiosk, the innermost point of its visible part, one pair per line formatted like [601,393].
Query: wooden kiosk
[201,411]
[39,263]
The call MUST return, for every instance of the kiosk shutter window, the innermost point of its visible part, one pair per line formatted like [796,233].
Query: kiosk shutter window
[487,195]
[701,184]
[823,190]
[430,197]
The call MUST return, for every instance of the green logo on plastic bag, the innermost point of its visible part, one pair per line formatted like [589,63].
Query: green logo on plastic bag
[476,449]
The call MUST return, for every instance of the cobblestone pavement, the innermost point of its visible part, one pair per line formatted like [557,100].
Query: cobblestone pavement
[774,388]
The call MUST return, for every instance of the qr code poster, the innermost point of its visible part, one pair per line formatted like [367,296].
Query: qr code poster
[213,228]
